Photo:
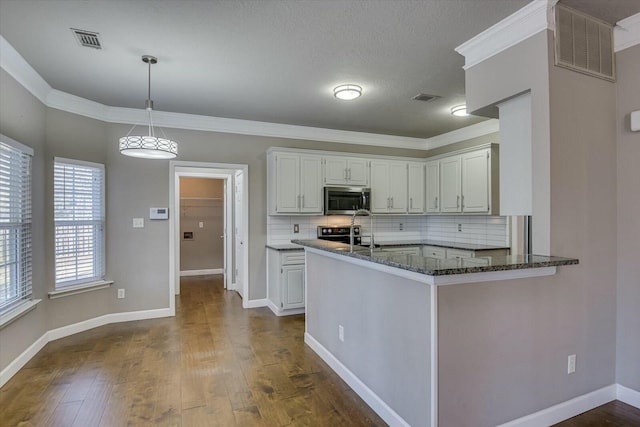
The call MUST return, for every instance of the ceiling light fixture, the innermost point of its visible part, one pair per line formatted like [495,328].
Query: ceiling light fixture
[459,110]
[148,146]
[347,92]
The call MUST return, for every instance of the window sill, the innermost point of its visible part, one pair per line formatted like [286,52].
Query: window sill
[79,289]
[18,312]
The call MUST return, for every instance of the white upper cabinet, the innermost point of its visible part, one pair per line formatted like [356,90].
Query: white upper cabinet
[475,182]
[450,185]
[416,187]
[433,186]
[388,186]
[346,171]
[297,181]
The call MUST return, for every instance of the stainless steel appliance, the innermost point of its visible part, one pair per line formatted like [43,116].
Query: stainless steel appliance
[345,200]
[338,233]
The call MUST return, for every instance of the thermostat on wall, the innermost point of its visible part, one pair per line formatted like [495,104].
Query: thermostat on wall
[158,213]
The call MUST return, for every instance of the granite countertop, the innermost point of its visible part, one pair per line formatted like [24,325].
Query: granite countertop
[284,246]
[443,244]
[440,267]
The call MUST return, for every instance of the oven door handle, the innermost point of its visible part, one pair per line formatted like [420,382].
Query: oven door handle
[364,201]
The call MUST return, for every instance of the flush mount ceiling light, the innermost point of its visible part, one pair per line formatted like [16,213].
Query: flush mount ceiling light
[148,146]
[347,92]
[459,110]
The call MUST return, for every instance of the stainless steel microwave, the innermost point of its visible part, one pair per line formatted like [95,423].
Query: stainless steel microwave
[345,200]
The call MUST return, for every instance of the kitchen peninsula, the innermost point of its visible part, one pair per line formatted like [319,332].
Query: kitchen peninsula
[373,317]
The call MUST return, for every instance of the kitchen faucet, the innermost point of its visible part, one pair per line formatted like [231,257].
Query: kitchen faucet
[353,220]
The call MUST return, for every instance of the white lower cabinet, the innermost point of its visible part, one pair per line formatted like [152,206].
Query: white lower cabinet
[286,287]
[434,252]
[404,250]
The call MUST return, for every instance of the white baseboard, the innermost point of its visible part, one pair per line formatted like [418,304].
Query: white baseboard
[289,312]
[201,272]
[65,331]
[373,400]
[628,396]
[254,303]
[565,410]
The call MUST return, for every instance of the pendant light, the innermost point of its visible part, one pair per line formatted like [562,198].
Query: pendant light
[149,146]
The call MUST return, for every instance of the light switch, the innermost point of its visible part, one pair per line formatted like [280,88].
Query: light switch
[138,222]
[201,224]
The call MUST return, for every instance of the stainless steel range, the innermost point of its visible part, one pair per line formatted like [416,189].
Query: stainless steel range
[338,233]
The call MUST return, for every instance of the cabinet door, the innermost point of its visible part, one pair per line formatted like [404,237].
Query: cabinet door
[310,184]
[434,252]
[450,187]
[380,186]
[433,186]
[475,181]
[335,171]
[358,172]
[398,187]
[292,286]
[459,253]
[415,187]
[287,182]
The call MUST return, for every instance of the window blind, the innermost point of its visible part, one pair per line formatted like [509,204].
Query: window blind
[15,223]
[79,222]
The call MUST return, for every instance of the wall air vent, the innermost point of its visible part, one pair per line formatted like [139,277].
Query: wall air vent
[584,44]
[425,97]
[87,38]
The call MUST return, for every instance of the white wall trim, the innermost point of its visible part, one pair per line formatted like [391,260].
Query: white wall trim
[379,406]
[64,331]
[566,410]
[515,28]
[473,131]
[12,62]
[628,396]
[626,33]
[289,312]
[255,303]
[205,272]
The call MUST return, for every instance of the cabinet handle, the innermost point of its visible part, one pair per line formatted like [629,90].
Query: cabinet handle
[345,174]
[349,177]
[303,200]
[463,201]
[436,203]
[298,203]
[410,202]
[392,202]
[457,201]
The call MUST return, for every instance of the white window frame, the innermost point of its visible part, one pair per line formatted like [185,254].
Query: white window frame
[22,278]
[98,243]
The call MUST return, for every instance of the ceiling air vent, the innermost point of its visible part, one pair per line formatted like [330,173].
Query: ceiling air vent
[87,38]
[425,97]
[584,44]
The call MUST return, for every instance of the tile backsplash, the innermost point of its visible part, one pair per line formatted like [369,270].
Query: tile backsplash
[485,230]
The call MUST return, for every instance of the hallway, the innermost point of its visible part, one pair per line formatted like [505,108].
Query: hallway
[214,364]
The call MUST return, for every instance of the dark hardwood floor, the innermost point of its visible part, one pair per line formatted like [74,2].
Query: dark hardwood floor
[214,364]
[612,414]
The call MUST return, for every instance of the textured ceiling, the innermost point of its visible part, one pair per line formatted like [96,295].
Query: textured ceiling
[268,60]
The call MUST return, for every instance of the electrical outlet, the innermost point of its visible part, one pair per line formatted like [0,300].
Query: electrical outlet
[340,333]
[296,228]
[571,364]
[120,293]
[401,226]
[201,224]
[459,227]
[138,222]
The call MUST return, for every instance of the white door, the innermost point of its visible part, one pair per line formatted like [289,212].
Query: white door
[287,183]
[415,187]
[475,181]
[239,233]
[335,171]
[450,190]
[311,184]
[432,183]
[357,172]
[380,200]
[292,286]
[398,187]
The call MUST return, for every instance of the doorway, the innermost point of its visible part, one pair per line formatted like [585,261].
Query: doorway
[232,206]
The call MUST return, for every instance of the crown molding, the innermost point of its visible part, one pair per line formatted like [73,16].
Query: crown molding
[626,33]
[12,62]
[530,20]
[463,134]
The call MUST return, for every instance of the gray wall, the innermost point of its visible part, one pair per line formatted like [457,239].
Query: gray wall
[382,315]
[504,345]
[628,99]
[202,200]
